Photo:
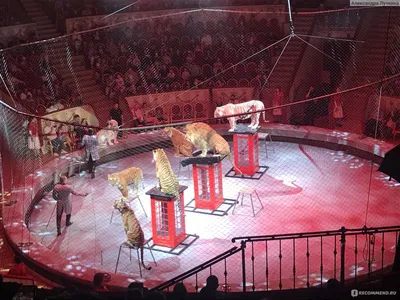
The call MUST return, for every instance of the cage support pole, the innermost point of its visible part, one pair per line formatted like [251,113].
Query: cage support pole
[290,18]
[1,179]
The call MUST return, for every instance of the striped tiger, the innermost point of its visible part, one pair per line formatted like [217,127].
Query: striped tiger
[166,177]
[133,230]
[125,178]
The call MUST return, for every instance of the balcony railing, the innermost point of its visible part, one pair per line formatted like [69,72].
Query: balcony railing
[379,247]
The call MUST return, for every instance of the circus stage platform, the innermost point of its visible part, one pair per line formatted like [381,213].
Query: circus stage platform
[317,179]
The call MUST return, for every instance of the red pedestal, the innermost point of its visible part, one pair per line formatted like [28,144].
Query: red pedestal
[246,152]
[167,220]
[207,180]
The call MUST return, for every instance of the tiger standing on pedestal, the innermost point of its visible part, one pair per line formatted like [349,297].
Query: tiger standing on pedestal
[181,145]
[133,230]
[167,179]
[125,178]
[204,137]
[245,107]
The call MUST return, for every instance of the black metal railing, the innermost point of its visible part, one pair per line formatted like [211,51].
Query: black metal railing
[374,240]
[320,245]
[208,264]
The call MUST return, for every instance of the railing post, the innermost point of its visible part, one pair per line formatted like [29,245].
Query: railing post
[1,179]
[342,253]
[243,247]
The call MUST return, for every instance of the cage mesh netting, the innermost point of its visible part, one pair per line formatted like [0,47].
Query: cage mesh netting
[328,84]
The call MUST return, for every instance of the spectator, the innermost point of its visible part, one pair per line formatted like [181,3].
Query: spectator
[206,41]
[277,101]
[99,282]
[77,39]
[220,83]
[137,114]
[374,117]
[391,120]
[262,68]
[166,59]
[155,295]
[9,289]
[217,67]
[58,143]
[26,96]
[134,61]
[310,114]
[196,82]
[209,292]
[119,83]
[116,114]
[171,76]
[185,74]
[134,294]
[18,269]
[78,132]
[180,292]
[131,78]
[91,144]
[65,133]
[135,291]
[337,108]
[33,138]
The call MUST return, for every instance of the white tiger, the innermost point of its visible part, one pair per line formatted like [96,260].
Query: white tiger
[108,134]
[233,109]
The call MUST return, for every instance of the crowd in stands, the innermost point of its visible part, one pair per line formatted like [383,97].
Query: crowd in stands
[10,288]
[77,8]
[212,290]
[166,55]
[36,84]
[392,67]
[11,13]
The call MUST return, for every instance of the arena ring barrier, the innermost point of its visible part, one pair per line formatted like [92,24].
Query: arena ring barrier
[54,266]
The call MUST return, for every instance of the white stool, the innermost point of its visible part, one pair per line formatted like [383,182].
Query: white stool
[124,245]
[247,191]
[266,137]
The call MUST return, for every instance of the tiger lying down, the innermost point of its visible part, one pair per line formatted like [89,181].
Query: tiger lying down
[204,137]
[133,231]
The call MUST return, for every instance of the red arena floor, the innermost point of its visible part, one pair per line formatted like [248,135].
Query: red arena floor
[306,188]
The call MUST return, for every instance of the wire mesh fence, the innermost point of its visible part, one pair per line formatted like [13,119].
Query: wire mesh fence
[335,71]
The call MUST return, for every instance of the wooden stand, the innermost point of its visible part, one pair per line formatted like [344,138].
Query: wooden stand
[167,217]
[245,144]
[207,180]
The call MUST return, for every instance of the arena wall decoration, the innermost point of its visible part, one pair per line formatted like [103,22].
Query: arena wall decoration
[222,96]
[191,105]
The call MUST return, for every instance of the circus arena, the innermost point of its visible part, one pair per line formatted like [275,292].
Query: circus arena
[199,149]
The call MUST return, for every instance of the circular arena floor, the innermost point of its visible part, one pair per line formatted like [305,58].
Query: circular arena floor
[306,188]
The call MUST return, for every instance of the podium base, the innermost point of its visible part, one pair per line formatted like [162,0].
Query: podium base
[178,250]
[221,211]
[256,176]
